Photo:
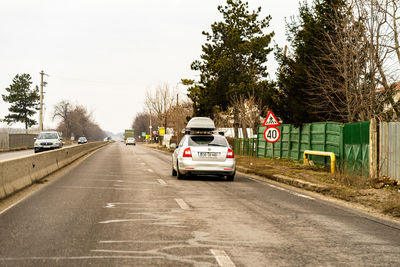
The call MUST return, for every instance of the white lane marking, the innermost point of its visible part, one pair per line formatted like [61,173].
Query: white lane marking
[14,204]
[80,258]
[150,170]
[112,205]
[142,163]
[126,220]
[301,195]
[222,258]
[97,187]
[139,241]
[161,181]
[277,187]
[182,204]
[291,192]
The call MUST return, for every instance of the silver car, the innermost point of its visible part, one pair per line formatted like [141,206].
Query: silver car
[47,141]
[203,154]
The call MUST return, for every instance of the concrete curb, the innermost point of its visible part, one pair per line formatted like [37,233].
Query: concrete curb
[16,174]
[288,180]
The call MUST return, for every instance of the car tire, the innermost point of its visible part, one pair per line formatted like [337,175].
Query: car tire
[179,175]
[230,178]
[174,173]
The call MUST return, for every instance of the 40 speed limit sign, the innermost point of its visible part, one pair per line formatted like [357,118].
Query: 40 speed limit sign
[272,134]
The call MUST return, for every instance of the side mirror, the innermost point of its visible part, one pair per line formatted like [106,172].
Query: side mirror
[60,138]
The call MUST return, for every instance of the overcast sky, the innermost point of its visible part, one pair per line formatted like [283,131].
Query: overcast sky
[105,54]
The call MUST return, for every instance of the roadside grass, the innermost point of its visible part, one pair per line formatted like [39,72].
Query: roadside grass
[381,194]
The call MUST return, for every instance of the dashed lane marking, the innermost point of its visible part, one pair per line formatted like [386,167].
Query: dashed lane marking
[182,204]
[150,170]
[222,258]
[161,181]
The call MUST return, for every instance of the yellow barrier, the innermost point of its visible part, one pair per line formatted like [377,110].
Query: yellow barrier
[321,153]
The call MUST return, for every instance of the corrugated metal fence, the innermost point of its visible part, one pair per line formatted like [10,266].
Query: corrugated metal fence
[389,149]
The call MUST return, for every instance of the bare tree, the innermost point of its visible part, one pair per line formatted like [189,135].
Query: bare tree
[248,111]
[141,123]
[178,115]
[62,111]
[355,62]
[160,102]
[382,24]
[76,120]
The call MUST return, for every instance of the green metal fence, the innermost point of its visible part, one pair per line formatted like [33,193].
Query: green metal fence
[245,147]
[356,148]
[324,136]
[349,142]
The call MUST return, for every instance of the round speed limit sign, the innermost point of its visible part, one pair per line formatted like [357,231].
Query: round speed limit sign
[272,134]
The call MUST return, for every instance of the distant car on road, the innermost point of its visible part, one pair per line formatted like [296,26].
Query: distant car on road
[47,141]
[201,152]
[130,141]
[82,140]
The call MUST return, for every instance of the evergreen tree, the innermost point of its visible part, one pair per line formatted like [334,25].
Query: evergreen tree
[24,101]
[233,59]
[298,98]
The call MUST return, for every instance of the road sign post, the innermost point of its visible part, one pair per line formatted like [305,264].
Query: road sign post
[271,133]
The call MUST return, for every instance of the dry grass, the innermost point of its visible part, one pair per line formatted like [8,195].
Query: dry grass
[381,194]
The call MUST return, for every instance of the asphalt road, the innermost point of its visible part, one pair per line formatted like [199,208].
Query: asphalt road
[121,206]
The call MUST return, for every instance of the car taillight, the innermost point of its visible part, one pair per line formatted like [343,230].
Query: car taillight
[187,153]
[230,155]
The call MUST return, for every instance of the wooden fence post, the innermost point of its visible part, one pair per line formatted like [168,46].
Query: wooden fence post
[373,149]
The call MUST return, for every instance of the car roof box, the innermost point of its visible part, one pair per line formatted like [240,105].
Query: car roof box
[201,123]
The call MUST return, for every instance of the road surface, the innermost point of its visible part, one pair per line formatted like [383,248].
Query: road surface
[121,206]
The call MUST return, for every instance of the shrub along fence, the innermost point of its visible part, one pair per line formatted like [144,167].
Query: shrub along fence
[349,142]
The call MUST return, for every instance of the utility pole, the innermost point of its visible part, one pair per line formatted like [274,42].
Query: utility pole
[41,102]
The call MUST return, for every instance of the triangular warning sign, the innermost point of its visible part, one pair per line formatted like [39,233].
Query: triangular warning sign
[271,120]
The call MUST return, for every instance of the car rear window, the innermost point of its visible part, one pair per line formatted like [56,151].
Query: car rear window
[207,140]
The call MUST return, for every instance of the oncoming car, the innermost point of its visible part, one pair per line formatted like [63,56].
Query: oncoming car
[47,141]
[130,141]
[82,140]
[201,152]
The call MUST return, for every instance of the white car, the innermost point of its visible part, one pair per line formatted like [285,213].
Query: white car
[201,152]
[130,141]
[47,141]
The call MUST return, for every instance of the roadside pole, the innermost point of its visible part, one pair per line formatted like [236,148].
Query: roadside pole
[41,102]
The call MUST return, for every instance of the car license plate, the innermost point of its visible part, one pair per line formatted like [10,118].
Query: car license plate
[208,154]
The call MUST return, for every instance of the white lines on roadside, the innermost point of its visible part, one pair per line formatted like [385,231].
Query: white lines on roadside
[277,187]
[222,258]
[140,241]
[303,196]
[161,181]
[291,192]
[182,204]
[125,220]
[150,170]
